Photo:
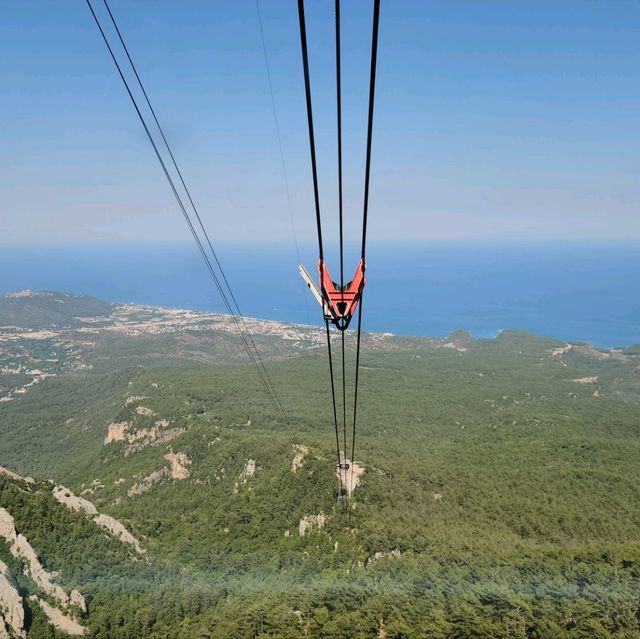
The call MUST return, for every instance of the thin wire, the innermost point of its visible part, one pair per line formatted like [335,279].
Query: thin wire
[372,91]
[282,162]
[270,392]
[355,397]
[171,183]
[344,397]
[249,337]
[374,52]
[339,118]
[312,145]
[340,214]
[277,127]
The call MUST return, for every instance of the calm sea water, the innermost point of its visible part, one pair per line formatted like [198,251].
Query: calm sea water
[587,292]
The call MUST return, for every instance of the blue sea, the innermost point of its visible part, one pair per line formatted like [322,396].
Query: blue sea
[573,291]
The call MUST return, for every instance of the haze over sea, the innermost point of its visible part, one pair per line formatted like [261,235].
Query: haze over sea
[570,291]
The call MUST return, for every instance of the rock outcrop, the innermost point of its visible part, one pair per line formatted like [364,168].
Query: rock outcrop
[20,547]
[144,411]
[71,501]
[58,619]
[116,432]
[12,475]
[140,438]
[310,521]
[350,478]
[248,471]
[118,530]
[178,465]
[111,525]
[298,459]
[148,482]
[11,609]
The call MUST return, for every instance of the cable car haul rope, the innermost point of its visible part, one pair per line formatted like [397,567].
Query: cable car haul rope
[189,210]
[340,301]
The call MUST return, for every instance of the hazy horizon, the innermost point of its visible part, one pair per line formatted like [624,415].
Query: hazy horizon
[571,291]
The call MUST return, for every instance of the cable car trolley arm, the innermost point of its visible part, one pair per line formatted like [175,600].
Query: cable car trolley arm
[338,303]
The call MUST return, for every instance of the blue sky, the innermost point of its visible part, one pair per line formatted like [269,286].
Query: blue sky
[494,120]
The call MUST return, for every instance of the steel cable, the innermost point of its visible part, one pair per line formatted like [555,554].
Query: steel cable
[262,374]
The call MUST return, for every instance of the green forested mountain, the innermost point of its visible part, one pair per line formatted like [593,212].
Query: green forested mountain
[45,309]
[498,490]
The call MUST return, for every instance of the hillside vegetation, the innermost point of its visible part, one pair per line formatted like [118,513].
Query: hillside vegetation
[48,309]
[499,496]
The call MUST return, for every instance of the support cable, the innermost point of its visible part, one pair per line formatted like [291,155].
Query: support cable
[268,387]
[372,93]
[372,88]
[249,337]
[355,402]
[365,213]
[340,222]
[339,123]
[312,148]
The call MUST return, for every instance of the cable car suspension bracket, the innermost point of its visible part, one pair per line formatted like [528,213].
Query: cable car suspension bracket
[338,303]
